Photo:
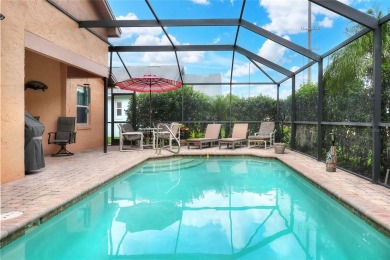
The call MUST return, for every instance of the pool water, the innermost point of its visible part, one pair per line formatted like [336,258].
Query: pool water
[204,208]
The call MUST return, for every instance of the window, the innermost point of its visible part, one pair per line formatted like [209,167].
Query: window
[83,101]
[119,108]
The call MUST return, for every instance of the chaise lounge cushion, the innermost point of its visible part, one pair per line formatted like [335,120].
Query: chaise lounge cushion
[211,136]
[265,134]
[238,136]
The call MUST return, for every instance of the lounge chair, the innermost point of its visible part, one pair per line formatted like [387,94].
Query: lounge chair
[238,136]
[65,135]
[210,137]
[128,135]
[266,134]
[164,133]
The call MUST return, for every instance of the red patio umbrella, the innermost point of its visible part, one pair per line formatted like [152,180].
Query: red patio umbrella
[149,83]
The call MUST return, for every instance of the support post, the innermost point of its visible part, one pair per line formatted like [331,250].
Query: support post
[293,114]
[133,109]
[105,143]
[278,115]
[105,107]
[320,109]
[309,38]
[377,102]
[112,104]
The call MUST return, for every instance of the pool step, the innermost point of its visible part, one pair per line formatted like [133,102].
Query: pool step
[169,165]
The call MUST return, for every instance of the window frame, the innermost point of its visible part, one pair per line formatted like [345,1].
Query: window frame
[119,109]
[86,90]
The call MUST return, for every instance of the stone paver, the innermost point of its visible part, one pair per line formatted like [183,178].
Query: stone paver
[64,179]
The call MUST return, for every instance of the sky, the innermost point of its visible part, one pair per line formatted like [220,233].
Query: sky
[285,18]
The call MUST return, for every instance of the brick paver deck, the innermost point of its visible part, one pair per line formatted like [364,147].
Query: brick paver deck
[64,179]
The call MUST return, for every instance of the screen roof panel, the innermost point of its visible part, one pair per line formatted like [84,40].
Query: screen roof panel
[196,9]
[203,34]
[192,25]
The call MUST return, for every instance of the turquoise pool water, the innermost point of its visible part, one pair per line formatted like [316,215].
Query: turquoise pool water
[201,208]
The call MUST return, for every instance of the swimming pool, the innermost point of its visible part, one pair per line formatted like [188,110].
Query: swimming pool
[219,207]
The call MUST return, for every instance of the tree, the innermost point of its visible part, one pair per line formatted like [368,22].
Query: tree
[307,102]
[348,95]
[351,67]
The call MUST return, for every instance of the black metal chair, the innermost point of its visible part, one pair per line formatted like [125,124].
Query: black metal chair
[65,135]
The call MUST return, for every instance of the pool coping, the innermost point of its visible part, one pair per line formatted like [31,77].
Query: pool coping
[360,206]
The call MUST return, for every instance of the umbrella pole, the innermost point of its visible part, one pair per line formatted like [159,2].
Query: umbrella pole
[150,106]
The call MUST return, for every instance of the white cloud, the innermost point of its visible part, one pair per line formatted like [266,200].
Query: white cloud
[129,16]
[240,70]
[145,36]
[128,32]
[291,16]
[270,51]
[226,78]
[326,22]
[273,51]
[285,16]
[148,39]
[193,57]
[216,40]
[158,58]
[155,36]
[155,58]
[201,2]
[295,68]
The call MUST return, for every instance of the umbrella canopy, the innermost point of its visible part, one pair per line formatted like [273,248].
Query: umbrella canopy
[149,83]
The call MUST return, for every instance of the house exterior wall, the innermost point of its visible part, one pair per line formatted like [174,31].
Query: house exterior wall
[49,104]
[125,106]
[1,55]
[27,25]
[91,135]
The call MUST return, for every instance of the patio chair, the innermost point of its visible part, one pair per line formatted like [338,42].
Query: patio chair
[210,137]
[239,134]
[65,135]
[266,134]
[164,134]
[128,135]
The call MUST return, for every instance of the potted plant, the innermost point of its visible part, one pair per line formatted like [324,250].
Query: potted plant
[280,146]
[184,133]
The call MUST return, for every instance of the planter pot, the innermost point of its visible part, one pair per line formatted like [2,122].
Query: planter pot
[279,147]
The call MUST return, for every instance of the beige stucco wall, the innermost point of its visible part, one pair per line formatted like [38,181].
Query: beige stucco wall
[50,104]
[12,90]
[61,30]
[24,17]
[1,55]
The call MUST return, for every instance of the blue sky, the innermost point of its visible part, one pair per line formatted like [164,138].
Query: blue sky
[286,18]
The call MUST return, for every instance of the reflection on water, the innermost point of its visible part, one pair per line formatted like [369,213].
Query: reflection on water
[205,208]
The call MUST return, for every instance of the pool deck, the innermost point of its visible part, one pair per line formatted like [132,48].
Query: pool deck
[65,180]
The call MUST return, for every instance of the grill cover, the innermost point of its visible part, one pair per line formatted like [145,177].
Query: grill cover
[33,151]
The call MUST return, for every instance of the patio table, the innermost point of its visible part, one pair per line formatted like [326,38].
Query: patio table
[150,134]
